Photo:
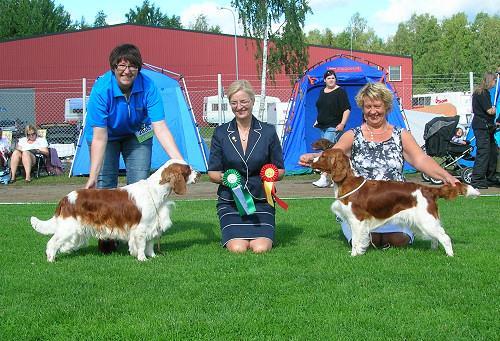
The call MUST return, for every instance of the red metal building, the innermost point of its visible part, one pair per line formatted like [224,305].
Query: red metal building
[56,63]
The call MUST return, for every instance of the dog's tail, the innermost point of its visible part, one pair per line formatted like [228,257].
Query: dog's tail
[46,227]
[451,192]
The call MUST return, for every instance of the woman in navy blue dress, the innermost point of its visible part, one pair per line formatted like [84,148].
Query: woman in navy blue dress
[245,144]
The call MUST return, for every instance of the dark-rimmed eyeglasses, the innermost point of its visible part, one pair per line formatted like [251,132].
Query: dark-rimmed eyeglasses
[31,134]
[123,67]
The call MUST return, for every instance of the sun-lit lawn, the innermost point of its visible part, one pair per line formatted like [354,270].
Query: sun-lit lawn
[307,288]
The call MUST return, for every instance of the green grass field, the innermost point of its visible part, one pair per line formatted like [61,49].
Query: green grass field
[307,288]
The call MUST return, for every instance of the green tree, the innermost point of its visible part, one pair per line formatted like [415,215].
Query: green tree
[359,36]
[149,14]
[419,37]
[81,25]
[20,18]
[288,47]
[485,46]
[201,24]
[455,53]
[100,19]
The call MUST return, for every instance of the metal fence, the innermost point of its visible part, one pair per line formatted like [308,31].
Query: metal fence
[48,104]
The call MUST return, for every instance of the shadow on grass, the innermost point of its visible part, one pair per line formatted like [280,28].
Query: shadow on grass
[287,234]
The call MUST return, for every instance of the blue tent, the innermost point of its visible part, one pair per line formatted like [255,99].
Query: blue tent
[180,121]
[352,75]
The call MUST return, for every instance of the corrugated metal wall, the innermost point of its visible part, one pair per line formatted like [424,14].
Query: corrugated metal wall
[57,63]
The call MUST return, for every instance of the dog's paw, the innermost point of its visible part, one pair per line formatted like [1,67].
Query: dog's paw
[141,258]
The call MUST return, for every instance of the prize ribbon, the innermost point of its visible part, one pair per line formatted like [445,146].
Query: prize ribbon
[244,202]
[269,174]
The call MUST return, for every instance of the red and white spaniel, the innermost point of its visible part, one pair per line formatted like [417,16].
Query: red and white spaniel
[138,213]
[368,204]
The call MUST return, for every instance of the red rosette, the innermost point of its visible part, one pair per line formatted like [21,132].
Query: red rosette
[269,173]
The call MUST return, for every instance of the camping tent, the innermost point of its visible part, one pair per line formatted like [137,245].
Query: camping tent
[352,74]
[180,121]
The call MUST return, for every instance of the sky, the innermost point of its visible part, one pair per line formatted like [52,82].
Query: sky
[382,15]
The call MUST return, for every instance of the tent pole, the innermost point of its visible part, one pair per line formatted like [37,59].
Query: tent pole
[84,113]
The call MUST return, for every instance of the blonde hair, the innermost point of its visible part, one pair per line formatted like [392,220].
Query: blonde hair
[241,85]
[485,83]
[375,91]
[30,127]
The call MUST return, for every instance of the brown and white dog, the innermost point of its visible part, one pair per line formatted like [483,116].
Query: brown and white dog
[138,213]
[368,204]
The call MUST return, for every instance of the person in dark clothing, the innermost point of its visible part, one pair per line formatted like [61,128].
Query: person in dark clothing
[333,112]
[483,124]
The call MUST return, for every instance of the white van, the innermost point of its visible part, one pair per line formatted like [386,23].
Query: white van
[211,109]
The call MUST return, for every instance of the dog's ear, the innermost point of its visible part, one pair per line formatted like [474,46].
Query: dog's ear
[179,184]
[174,176]
[340,166]
[165,176]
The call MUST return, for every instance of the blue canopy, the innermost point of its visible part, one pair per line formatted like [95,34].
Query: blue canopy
[352,75]
[180,121]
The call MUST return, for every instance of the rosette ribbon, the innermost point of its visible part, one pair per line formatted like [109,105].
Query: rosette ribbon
[269,174]
[244,202]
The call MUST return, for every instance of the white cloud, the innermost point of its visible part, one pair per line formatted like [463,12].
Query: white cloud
[215,16]
[319,5]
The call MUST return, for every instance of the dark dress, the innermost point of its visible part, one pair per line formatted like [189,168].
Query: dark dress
[226,152]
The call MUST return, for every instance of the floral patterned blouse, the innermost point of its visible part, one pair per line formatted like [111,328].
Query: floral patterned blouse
[378,160]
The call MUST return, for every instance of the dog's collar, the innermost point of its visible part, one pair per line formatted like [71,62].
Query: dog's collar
[351,192]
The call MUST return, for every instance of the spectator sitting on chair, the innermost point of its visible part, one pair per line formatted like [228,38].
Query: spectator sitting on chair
[25,152]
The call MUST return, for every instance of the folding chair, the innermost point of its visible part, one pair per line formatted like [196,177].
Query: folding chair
[40,159]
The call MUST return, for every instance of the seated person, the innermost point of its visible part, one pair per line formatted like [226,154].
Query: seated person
[4,150]
[459,137]
[25,152]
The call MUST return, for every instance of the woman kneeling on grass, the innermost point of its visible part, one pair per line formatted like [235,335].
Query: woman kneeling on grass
[245,144]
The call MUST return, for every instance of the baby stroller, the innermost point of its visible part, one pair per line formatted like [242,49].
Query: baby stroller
[437,136]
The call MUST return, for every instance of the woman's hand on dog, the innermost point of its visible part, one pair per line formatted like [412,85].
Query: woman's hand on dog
[306,159]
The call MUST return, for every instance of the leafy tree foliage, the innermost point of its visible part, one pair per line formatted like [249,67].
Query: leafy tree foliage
[288,49]
[149,14]
[81,25]
[20,18]
[201,24]
[443,50]
[100,19]
[449,48]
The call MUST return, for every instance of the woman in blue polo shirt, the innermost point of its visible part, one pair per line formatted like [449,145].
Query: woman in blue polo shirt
[124,111]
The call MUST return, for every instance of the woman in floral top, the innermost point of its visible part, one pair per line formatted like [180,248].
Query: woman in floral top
[378,150]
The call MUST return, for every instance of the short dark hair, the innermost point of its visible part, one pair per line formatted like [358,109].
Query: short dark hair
[127,52]
[328,73]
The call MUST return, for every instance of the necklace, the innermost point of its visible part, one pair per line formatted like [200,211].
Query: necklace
[244,134]
[372,133]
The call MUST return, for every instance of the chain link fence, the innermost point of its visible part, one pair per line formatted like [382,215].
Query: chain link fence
[53,105]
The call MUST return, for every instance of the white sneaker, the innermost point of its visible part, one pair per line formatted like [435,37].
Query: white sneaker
[322,182]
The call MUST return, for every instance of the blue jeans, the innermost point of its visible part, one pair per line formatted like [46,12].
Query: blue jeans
[331,134]
[137,158]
